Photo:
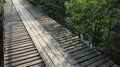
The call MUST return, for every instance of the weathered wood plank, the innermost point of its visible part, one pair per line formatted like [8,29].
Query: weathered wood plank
[10,42]
[13,40]
[107,64]
[97,63]
[70,44]
[22,43]
[38,65]
[18,49]
[80,51]
[17,41]
[22,58]
[69,39]
[90,61]
[18,37]
[32,63]
[23,61]
[74,48]
[85,58]
[15,31]
[77,46]
[20,55]
[85,53]
[12,34]
[20,52]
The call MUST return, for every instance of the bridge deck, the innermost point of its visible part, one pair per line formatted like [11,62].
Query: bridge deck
[19,49]
[34,39]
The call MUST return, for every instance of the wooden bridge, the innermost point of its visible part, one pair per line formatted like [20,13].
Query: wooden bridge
[32,39]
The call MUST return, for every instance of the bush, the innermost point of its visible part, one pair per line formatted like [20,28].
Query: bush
[98,21]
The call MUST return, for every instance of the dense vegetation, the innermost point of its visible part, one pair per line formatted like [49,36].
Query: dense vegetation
[1,45]
[96,21]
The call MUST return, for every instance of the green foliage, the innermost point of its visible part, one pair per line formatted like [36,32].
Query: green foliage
[94,17]
[98,21]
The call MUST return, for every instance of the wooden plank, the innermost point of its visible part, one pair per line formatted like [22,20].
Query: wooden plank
[38,65]
[107,64]
[17,41]
[20,55]
[67,43]
[80,51]
[18,37]
[77,50]
[85,53]
[57,32]
[85,58]
[69,39]
[22,58]
[62,37]
[14,23]
[23,61]
[15,28]
[15,34]
[97,63]
[15,31]
[13,40]
[19,49]
[90,61]
[32,63]
[70,44]
[74,48]
[22,43]
[20,52]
